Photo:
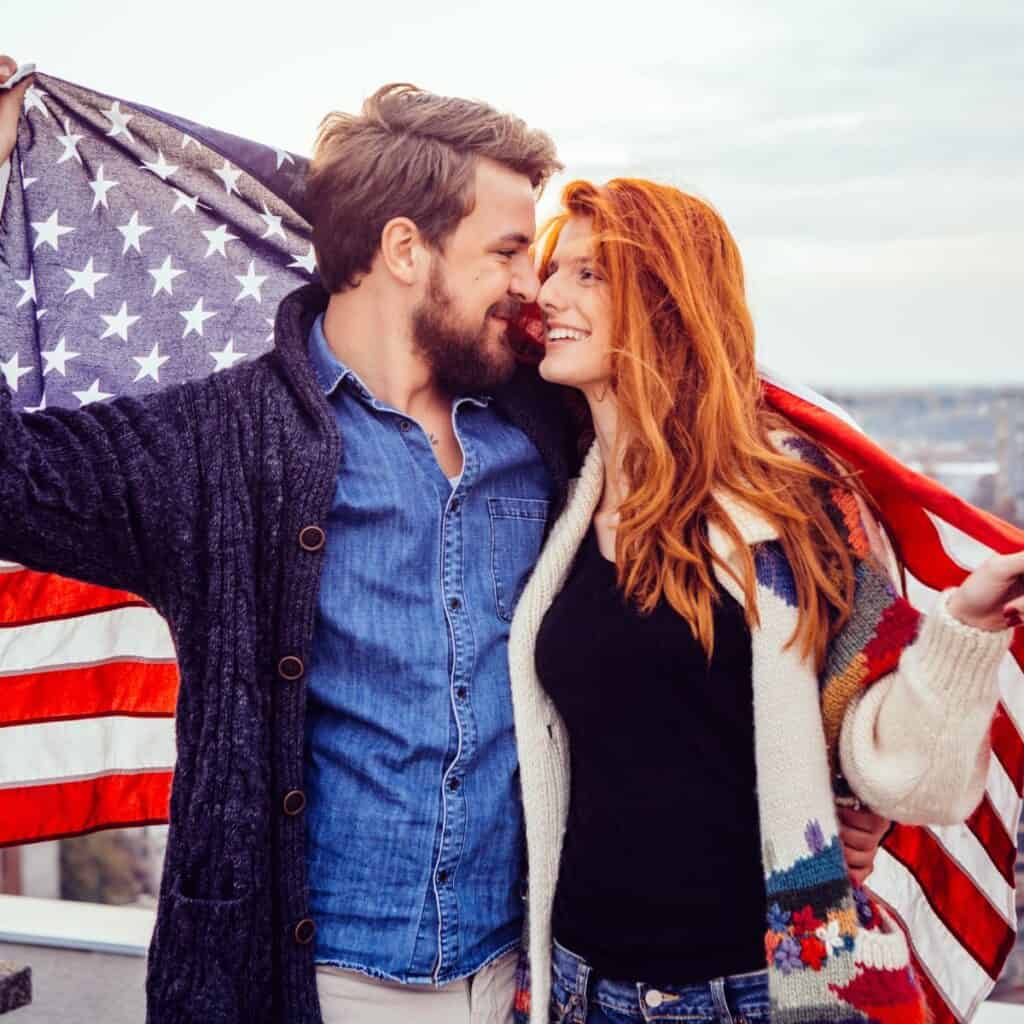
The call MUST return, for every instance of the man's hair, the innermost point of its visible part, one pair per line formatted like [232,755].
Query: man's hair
[408,153]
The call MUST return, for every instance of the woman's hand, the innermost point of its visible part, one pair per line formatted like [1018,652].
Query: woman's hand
[992,597]
[861,833]
[10,107]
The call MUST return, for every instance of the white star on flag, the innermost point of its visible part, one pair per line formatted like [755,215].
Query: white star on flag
[37,408]
[160,167]
[48,232]
[92,394]
[28,289]
[195,318]
[218,239]
[163,277]
[270,323]
[58,357]
[184,199]
[13,372]
[307,262]
[118,121]
[118,323]
[70,143]
[133,232]
[34,101]
[229,175]
[283,157]
[149,366]
[226,357]
[187,140]
[100,187]
[273,223]
[84,280]
[251,283]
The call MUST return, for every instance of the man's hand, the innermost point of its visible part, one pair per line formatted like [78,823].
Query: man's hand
[861,833]
[10,107]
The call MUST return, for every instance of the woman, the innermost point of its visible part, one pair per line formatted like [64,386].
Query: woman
[693,649]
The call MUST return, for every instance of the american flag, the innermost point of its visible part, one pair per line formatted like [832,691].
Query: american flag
[140,249]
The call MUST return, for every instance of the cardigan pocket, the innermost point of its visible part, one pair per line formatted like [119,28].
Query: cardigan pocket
[208,959]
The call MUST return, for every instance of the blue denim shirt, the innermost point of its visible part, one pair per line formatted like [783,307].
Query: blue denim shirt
[414,835]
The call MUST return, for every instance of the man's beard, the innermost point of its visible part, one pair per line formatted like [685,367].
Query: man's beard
[463,360]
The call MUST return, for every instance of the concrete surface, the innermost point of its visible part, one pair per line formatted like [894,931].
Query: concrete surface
[71,986]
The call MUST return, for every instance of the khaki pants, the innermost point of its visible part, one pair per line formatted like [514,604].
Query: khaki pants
[348,997]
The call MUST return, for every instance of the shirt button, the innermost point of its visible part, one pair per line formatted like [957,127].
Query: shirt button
[654,998]
[453,505]
[405,426]
[454,603]
[461,692]
[453,784]
[290,668]
[294,802]
[304,931]
[442,876]
[311,538]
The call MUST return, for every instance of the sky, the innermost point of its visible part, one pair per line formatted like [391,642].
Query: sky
[868,157]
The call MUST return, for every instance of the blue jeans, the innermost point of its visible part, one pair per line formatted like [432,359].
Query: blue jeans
[578,996]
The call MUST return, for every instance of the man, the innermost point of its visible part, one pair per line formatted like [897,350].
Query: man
[337,534]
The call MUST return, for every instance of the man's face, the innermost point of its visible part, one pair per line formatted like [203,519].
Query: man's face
[477,284]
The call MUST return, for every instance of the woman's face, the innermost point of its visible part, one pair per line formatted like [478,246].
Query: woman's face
[577,311]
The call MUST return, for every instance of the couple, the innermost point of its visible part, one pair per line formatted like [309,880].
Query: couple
[339,533]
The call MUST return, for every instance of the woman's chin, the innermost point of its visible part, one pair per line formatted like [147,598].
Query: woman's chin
[549,369]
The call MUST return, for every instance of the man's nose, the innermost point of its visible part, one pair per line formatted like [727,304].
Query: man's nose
[525,284]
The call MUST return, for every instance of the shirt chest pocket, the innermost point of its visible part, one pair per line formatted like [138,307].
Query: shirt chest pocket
[517,530]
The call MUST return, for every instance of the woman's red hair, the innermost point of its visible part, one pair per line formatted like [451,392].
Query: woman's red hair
[692,422]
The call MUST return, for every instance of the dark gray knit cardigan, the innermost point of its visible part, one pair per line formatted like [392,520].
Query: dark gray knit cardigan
[195,498]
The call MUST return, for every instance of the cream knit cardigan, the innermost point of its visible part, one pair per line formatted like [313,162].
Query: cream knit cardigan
[914,747]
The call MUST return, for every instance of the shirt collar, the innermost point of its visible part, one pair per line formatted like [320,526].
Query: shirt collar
[330,371]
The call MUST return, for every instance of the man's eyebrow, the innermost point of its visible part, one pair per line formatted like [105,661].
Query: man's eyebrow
[514,238]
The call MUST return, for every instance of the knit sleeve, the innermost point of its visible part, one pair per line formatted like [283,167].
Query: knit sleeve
[914,746]
[101,494]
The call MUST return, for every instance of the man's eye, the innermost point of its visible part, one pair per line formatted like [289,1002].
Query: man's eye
[507,253]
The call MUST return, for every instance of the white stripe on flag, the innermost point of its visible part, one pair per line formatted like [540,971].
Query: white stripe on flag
[1011,685]
[955,973]
[46,752]
[124,633]
[1003,795]
[964,847]
[807,394]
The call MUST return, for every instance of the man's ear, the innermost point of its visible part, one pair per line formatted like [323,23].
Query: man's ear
[403,251]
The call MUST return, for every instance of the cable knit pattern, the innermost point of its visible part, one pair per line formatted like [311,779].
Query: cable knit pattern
[902,710]
[194,499]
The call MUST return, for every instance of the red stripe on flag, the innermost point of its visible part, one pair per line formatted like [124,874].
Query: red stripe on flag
[1008,746]
[990,831]
[31,814]
[885,476]
[941,1013]
[954,897]
[115,688]
[28,597]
